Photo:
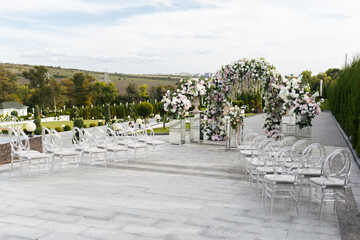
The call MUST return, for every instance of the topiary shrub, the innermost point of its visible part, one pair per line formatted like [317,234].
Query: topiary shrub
[67,128]
[85,126]
[144,109]
[240,103]
[45,113]
[37,121]
[58,129]
[100,123]
[92,125]
[38,131]
[14,113]
[36,111]
[79,122]
[5,131]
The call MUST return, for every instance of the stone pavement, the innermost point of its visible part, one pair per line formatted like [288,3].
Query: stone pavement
[194,191]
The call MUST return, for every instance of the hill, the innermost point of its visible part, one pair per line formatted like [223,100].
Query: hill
[120,80]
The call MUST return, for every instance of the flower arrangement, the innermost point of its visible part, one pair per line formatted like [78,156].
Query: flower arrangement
[193,86]
[236,117]
[243,75]
[298,101]
[175,104]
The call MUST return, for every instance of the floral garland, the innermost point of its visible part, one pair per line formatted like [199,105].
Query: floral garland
[193,87]
[236,117]
[296,100]
[243,75]
[175,104]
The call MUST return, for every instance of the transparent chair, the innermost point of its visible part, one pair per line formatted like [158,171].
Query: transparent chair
[115,152]
[63,157]
[36,161]
[249,150]
[157,145]
[332,186]
[283,183]
[47,143]
[91,153]
[136,146]
[288,141]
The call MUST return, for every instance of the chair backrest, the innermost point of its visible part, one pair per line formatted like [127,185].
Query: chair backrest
[98,137]
[278,136]
[14,140]
[300,145]
[56,141]
[286,161]
[46,139]
[313,156]
[269,151]
[76,135]
[250,136]
[337,165]
[272,132]
[288,141]
[24,143]
[111,137]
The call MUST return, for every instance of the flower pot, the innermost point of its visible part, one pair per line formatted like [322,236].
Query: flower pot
[196,105]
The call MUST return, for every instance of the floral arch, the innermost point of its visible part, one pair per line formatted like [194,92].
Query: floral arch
[245,75]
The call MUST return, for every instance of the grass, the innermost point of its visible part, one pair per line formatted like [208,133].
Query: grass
[160,130]
[52,125]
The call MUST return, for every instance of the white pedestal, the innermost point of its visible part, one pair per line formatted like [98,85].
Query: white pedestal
[289,128]
[183,131]
[175,132]
[195,128]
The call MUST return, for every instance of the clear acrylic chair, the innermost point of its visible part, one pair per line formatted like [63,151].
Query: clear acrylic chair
[283,182]
[288,141]
[157,145]
[92,155]
[332,186]
[63,157]
[115,152]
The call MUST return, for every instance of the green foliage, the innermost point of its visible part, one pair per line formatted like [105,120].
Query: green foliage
[79,122]
[8,85]
[67,128]
[144,109]
[344,99]
[37,122]
[14,113]
[100,123]
[325,105]
[38,130]
[5,131]
[45,112]
[160,107]
[36,111]
[240,103]
[92,125]
[107,114]
[58,129]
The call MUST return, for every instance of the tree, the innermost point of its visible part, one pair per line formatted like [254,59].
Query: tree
[38,76]
[81,89]
[102,93]
[143,91]
[107,114]
[24,93]
[144,109]
[132,92]
[8,85]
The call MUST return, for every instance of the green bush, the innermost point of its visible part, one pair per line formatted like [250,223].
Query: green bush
[92,125]
[58,129]
[14,113]
[67,128]
[85,126]
[37,121]
[344,99]
[100,123]
[36,111]
[5,131]
[240,103]
[79,122]
[45,113]
[325,105]
[144,109]
[38,131]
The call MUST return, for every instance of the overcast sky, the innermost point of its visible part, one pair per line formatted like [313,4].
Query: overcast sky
[168,36]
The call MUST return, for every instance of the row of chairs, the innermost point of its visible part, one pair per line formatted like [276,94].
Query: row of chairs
[283,167]
[97,147]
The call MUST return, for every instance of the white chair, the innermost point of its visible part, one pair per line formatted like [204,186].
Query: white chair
[47,144]
[282,183]
[36,161]
[64,157]
[156,145]
[288,141]
[92,155]
[332,186]
[113,149]
[134,144]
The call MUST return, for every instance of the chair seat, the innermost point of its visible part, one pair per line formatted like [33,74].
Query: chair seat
[116,149]
[310,172]
[102,146]
[268,169]
[94,150]
[35,155]
[328,182]
[137,145]
[122,142]
[247,152]
[280,178]
[260,163]
[24,152]
[67,152]
[155,142]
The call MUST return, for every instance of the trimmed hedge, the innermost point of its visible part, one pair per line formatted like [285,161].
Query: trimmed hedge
[67,128]
[58,129]
[344,101]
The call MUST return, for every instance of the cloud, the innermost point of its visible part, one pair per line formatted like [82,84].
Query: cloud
[192,36]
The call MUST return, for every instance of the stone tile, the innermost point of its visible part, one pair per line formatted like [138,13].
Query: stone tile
[17,231]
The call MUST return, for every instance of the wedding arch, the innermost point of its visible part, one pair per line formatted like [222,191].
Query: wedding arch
[244,75]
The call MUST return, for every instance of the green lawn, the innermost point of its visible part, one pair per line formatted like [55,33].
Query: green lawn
[52,125]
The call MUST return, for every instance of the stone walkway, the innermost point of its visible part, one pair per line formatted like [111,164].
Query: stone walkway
[194,191]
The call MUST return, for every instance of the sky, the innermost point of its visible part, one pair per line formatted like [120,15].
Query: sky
[169,36]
